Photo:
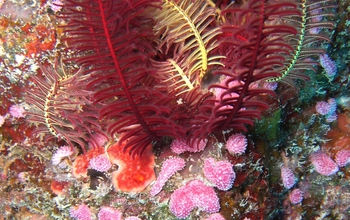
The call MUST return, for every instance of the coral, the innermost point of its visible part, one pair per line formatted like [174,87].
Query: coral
[62,152]
[193,194]
[331,118]
[296,196]
[100,163]
[108,213]
[236,144]
[332,106]
[215,216]
[220,173]
[322,107]
[332,114]
[323,163]
[81,212]
[342,158]
[328,65]
[134,173]
[288,177]
[17,111]
[328,109]
[180,146]
[169,168]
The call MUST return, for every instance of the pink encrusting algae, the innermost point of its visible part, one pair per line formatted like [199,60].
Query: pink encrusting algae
[169,168]
[220,173]
[193,194]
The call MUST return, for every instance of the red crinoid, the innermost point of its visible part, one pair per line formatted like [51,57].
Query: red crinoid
[62,108]
[110,38]
[148,59]
[254,47]
[114,44]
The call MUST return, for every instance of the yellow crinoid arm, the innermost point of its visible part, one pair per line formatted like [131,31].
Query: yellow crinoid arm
[313,24]
[173,74]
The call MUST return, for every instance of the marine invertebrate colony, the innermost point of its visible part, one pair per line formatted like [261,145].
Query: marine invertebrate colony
[220,173]
[147,66]
[169,168]
[193,194]
[323,163]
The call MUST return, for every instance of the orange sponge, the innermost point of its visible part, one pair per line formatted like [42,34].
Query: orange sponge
[134,174]
[81,163]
